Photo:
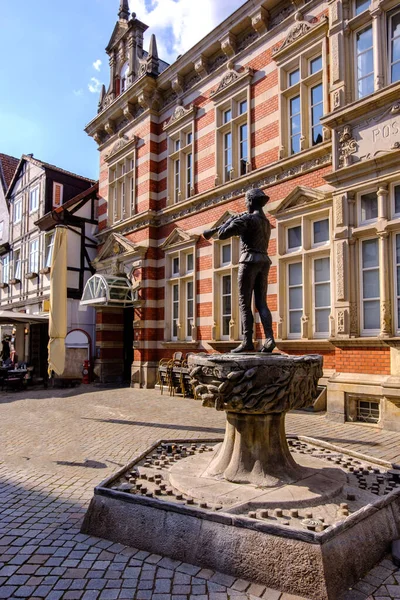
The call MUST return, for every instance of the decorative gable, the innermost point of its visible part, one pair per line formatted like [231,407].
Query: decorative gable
[119,31]
[232,79]
[300,32]
[177,238]
[116,245]
[180,115]
[300,197]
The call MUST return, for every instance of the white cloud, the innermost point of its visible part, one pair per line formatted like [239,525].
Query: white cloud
[94,85]
[179,24]
[97,64]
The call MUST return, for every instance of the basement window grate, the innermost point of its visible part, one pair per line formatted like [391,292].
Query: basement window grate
[367,412]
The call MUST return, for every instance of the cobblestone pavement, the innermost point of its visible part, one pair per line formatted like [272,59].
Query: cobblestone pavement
[55,445]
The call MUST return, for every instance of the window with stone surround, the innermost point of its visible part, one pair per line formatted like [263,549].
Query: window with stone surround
[181,164]
[374,42]
[370,287]
[226,316]
[180,290]
[180,130]
[303,87]
[180,287]
[232,138]
[232,100]
[122,188]
[305,270]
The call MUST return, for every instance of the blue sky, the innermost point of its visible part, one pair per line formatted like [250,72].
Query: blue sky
[51,51]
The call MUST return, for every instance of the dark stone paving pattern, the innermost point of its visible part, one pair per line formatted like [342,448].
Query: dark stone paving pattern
[56,445]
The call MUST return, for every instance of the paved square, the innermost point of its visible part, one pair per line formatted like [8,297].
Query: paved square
[56,445]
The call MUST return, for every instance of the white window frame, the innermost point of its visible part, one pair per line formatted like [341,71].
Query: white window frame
[355,60]
[320,334]
[34,194]
[17,211]
[222,246]
[221,269]
[6,269]
[290,335]
[175,304]
[122,191]
[233,127]
[367,332]
[295,248]
[49,246]
[180,278]
[315,244]
[393,186]
[390,16]
[1,229]
[359,209]
[34,262]
[181,178]
[18,264]
[225,336]
[189,307]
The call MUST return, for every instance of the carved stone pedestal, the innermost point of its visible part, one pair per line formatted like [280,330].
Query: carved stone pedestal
[256,391]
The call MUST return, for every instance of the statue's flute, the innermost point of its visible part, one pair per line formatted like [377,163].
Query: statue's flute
[208,233]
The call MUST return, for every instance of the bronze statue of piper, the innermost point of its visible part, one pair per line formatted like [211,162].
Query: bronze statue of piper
[254,231]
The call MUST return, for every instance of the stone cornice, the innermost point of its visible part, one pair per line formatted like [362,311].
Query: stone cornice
[283,170]
[360,108]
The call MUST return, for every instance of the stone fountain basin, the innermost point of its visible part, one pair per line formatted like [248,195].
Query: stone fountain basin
[315,565]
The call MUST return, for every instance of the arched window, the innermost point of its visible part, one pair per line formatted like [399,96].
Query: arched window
[124,76]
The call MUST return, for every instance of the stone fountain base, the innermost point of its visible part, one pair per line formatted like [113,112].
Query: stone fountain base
[313,537]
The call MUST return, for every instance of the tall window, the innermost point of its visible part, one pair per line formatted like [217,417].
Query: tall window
[233,149]
[317,110]
[34,200]
[181,169]
[189,308]
[34,256]
[370,285]
[295,280]
[303,85]
[17,264]
[122,189]
[365,62]
[322,296]
[180,299]
[295,125]
[243,149]
[49,244]
[175,310]
[398,280]
[18,211]
[6,268]
[226,305]
[228,166]
[394,45]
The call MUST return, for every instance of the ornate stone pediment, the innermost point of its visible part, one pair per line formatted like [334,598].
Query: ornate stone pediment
[178,237]
[179,114]
[119,31]
[300,196]
[299,30]
[231,78]
[122,142]
[116,245]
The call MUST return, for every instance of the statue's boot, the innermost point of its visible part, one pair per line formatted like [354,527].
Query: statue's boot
[245,346]
[268,345]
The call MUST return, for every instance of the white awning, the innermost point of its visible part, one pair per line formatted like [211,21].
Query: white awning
[108,290]
[9,317]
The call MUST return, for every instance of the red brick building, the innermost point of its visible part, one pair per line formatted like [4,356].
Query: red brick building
[300,99]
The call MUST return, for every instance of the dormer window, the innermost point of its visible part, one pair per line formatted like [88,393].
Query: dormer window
[124,77]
